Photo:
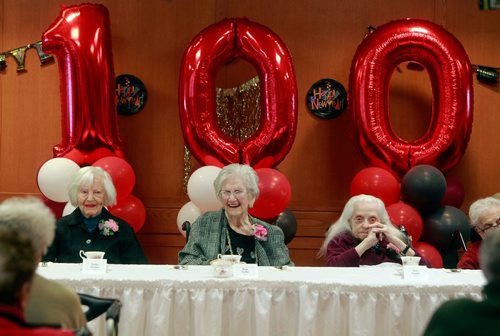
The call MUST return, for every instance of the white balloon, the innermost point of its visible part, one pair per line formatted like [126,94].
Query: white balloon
[189,212]
[68,208]
[54,177]
[201,190]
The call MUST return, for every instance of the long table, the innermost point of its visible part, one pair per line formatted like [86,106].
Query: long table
[163,300]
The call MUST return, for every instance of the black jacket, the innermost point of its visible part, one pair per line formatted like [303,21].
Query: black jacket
[72,236]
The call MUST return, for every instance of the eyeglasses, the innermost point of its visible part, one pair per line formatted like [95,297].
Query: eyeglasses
[226,194]
[487,226]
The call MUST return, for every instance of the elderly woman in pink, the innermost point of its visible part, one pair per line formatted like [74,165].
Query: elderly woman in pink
[364,235]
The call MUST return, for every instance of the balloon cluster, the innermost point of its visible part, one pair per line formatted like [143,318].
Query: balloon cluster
[424,204]
[211,48]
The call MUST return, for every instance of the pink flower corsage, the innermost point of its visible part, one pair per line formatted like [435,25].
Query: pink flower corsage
[260,232]
[108,228]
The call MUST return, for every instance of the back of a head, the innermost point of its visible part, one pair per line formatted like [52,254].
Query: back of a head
[489,256]
[17,265]
[31,217]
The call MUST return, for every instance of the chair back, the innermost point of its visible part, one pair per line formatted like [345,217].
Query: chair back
[98,306]
[186,227]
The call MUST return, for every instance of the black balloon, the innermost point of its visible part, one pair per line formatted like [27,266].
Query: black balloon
[442,226]
[423,187]
[288,224]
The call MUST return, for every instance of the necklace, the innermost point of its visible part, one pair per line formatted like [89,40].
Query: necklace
[229,243]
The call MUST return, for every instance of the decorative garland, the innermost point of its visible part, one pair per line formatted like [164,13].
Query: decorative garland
[19,55]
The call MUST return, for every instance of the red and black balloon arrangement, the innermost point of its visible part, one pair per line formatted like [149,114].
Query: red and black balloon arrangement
[409,176]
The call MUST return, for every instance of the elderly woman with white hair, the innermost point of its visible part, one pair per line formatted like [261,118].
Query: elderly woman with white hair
[90,227]
[484,215]
[231,230]
[364,235]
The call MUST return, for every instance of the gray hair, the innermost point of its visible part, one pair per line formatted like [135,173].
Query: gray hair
[479,207]
[85,177]
[489,256]
[29,216]
[17,265]
[343,224]
[243,171]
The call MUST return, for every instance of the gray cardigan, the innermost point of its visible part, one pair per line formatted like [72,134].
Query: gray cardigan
[207,239]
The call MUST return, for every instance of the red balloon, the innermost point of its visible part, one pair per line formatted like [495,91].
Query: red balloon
[121,172]
[131,210]
[430,253]
[275,193]
[449,69]
[57,208]
[87,80]
[377,182]
[455,193]
[87,158]
[213,47]
[402,214]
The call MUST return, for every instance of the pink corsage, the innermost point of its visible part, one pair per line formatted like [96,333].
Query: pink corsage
[108,228]
[260,232]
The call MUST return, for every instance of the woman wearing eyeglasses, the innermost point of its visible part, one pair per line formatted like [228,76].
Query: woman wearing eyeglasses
[364,235]
[484,217]
[232,230]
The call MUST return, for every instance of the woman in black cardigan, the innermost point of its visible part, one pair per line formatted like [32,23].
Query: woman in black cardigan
[90,227]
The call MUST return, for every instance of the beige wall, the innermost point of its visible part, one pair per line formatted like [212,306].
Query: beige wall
[149,38]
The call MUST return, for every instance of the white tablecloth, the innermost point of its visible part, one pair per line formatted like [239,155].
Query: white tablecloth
[161,300]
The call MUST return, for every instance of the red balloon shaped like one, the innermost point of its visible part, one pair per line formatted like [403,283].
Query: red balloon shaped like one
[377,182]
[275,193]
[80,37]
[402,214]
[131,210]
[430,253]
[121,172]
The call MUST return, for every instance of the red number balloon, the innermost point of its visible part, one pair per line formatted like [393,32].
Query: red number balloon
[450,73]
[211,48]
[80,37]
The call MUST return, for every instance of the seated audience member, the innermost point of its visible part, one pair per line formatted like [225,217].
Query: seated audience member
[17,267]
[90,227]
[231,230]
[466,316]
[364,235]
[50,302]
[484,215]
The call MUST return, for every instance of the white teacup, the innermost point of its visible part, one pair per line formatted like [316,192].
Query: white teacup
[91,254]
[222,268]
[410,261]
[233,258]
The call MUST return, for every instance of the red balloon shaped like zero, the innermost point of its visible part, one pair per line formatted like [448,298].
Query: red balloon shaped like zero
[87,80]
[449,69]
[210,49]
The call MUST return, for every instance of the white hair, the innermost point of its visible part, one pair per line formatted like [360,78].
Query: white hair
[31,217]
[85,177]
[245,172]
[481,206]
